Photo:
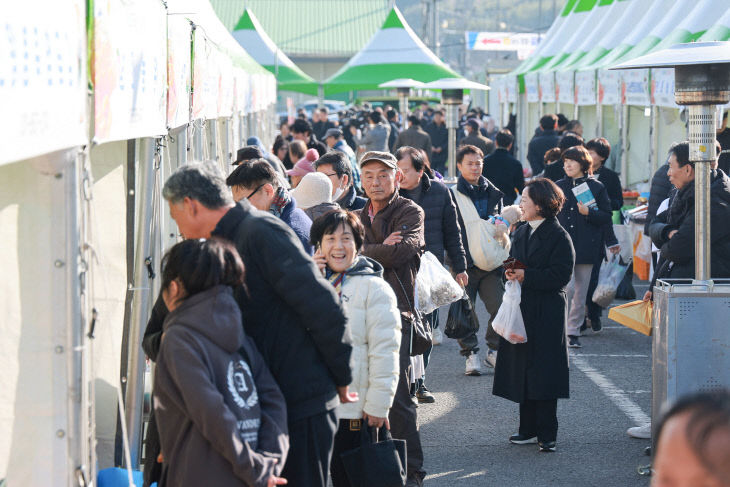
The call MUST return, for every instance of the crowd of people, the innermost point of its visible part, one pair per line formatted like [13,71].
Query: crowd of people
[287,318]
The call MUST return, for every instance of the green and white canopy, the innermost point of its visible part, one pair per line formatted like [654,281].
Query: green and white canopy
[394,51]
[249,34]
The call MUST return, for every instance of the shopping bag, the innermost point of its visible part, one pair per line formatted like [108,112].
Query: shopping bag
[376,463]
[642,255]
[462,320]
[509,323]
[609,277]
[635,315]
[434,285]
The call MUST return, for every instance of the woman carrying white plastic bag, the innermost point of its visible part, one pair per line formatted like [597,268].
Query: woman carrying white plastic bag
[509,323]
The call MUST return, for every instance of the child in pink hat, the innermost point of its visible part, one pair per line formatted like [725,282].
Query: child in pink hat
[302,167]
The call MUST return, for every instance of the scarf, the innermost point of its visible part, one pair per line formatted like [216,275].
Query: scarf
[337,279]
[281,199]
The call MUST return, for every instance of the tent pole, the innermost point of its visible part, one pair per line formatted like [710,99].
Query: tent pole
[654,141]
[141,291]
[599,119]
[624,127]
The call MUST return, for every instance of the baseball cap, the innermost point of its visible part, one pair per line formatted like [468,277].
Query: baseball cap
[385,157]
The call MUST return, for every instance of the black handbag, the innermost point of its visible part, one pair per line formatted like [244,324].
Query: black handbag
[376,463]
[421,338]
[462,320]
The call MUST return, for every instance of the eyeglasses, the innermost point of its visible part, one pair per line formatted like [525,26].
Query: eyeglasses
[254,191]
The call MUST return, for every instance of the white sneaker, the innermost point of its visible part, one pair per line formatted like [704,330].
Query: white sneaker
[641,432]
[437,336]
[491,359]
[473,367]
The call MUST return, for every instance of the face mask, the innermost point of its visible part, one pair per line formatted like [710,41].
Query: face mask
[338,193]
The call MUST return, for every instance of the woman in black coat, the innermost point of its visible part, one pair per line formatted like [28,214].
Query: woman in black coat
[586,226]
[535,374]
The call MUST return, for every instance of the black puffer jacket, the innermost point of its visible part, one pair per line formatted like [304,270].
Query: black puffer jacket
[678,253]
[658,192]
[587,232]
[290,311]
[441,226]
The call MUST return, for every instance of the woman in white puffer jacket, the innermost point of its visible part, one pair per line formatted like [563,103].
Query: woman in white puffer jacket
[373,321]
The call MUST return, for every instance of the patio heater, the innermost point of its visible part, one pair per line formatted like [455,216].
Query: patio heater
[403,88]
[452,95]
[690,332]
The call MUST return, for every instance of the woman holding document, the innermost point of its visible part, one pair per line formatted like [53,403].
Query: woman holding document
[586,211]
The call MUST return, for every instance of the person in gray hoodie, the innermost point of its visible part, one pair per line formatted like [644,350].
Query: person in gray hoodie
[221,416]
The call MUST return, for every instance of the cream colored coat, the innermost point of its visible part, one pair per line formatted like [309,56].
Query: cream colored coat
[374,324]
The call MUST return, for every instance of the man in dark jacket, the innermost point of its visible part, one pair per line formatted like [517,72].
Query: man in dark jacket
[392,116]
[674,230]
[336,166]
[289,310]
[414,136]
[439,142]
[542,142]
[503,170]
[555,171]
[475,138]
[321,123]
[302,130]
[394,238]
[474,189]
[442,232]
[257,183]
[723,137]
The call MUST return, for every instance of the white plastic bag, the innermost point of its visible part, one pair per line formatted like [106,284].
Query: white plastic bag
[609,277]
[434,285]
[509,323]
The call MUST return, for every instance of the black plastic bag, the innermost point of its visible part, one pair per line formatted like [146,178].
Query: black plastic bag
[462,320]
[626,289]
[376,463]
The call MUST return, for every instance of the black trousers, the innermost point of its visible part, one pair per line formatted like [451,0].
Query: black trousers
[310,449]
[348,437]
[403,416]
[539,418]
[593,311]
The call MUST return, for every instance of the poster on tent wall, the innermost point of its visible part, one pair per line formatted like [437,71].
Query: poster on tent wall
[609,87]
[178,71]
[206,77]
[511,88]
[241,89]
[42,77]
[129,63]
[225,86]
[532,88]
[635,87]
[565,86]
[547,87]
[662,87]
[585,88]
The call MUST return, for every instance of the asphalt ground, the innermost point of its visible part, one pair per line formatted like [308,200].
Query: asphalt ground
[465,432]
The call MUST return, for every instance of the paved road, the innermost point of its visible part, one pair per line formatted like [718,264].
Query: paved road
[465,432]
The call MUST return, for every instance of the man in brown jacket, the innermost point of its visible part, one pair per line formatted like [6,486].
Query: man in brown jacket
[394,237]
[475,138]
[414,136]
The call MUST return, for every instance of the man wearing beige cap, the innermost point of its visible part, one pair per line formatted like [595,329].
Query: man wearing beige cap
[394,237]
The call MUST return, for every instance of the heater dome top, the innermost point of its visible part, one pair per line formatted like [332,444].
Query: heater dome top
[693,53]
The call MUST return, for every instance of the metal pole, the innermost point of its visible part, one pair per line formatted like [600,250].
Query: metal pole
[599,119]
[702,153]
[452,123]
[141,291]
[435,29]
[624,127]
[654,139]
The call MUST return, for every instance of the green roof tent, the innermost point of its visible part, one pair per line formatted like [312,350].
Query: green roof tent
[252,37]
[381,60]
[720,31]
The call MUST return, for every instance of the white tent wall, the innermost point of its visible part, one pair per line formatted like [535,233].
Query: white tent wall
[588,118]
[610,115]
[671,129]
[638,146]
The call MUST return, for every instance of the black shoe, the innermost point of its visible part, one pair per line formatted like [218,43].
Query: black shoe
[414,481]
[596,325]
[546,446]
[520,439]
[573,342]
[584,326]
[424,395]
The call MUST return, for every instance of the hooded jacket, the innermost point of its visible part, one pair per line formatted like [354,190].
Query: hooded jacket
[221,416]
[374,323]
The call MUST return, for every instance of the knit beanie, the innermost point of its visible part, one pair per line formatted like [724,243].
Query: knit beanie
[304,165]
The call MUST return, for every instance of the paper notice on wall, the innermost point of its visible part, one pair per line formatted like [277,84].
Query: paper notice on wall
[129,65]
[225,86]
[635,87]
[662,87]
[609,87]
[547,87]
[531,87]
[585,87]
[511,84]
[566,88]
[42,77]
[178,71]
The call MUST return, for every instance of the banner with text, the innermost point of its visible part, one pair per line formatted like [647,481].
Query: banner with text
[585,87]
[566,87]
[178,71]
[635,87]
[609,87]
[662,87]
[524,43]
[532,87]
[547,87]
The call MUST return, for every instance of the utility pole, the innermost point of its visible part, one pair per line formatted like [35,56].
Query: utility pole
[435,28]
[539,17]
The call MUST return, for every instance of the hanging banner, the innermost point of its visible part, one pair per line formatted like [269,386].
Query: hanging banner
[662,87]
[532,88]
[566,88]
[585,87]
[511,85]
[178,71]
[42,77]
[129,63]
[635,87]
[547,87]
[609,87]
